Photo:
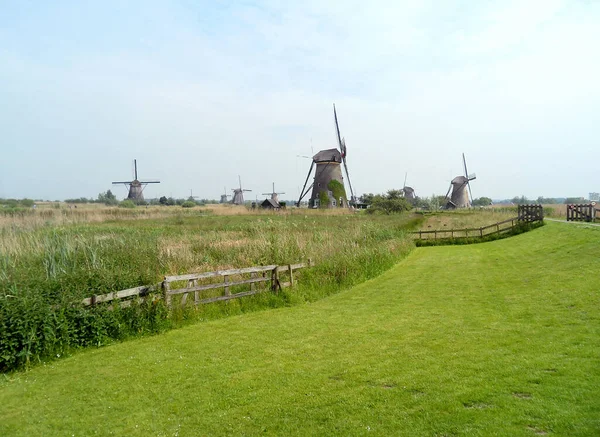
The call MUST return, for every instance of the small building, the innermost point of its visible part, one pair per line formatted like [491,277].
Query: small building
[270,204]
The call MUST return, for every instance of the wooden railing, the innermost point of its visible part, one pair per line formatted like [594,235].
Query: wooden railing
[480,232]
[197,283]
[527,214]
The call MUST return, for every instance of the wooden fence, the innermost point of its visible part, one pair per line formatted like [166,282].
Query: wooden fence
[526,214]
[581,213]
[276,276]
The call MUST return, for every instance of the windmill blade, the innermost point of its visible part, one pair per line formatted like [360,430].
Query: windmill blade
[303,193]
[465,165]
[405,176]
[349,183]
[135,168]
[470,194]
[337,129]
[448,192]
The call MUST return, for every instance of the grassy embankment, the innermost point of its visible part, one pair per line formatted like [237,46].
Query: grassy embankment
[47,268]
[500,338]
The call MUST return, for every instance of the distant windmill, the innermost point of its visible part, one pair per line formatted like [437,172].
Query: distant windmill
[328,181]
[409,192]
[459,185]
[224,196]
[192,197]
[238,194]
[274,195]
[136,187]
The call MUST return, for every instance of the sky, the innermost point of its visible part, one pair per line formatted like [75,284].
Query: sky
[203,92]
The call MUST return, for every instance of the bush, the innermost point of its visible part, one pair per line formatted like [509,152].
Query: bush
[188,204]
[127,204]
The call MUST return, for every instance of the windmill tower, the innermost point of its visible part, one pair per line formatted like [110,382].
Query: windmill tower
[224,196]
[328,183]
[238,194]
[274,195]
[409,192]
[136,187]
[460,198]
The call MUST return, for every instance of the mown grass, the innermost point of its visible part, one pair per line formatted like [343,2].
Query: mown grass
[499,338]
[46,271]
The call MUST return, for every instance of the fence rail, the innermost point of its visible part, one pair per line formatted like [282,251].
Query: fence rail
[526,214]
[167,288]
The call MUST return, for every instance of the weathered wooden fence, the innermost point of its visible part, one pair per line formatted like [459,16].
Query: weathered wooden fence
[581,213]
[276,276]
[525,214]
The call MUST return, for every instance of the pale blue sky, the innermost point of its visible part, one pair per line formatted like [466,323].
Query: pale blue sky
[200,92]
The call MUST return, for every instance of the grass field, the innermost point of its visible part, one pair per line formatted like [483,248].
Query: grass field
[474,218]
[46,269]
[499,338]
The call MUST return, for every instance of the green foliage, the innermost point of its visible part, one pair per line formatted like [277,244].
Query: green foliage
[127,203]
[390,203]
[500,339]
[576,200]
[338,190]
[520,200]
[323,200]
[367,198]
[46,273]
[546,200]
[482,201]
[108,198]
[27,203]
[188,204]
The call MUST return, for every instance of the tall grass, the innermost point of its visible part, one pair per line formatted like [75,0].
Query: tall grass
[47,270]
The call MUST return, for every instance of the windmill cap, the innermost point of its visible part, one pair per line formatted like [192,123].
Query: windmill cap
[329,155]
[459,180]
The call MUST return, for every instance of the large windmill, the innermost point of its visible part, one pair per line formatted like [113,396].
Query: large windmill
[136,187]
[328,183]
[238,194]
[459,185]
[409,192]
[274,195]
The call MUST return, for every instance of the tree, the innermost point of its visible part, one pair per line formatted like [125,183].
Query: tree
[482,201]
[108,198]
[367,198]
[163,200]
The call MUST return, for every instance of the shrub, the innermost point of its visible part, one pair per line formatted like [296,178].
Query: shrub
[188,204]
[127,204]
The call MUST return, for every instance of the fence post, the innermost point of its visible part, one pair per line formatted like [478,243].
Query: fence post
[252,285]
[167,296]
[226,281]
[275,279]
[481,232]
[291,275]
[196,293]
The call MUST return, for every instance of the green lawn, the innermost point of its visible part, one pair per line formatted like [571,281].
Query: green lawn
[499,338]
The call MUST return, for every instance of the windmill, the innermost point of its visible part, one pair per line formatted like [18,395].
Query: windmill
[136,187]
[274,195]
[238,194]
[409,192]
[192,197]
[328,183]
[459,185]
[224,196]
